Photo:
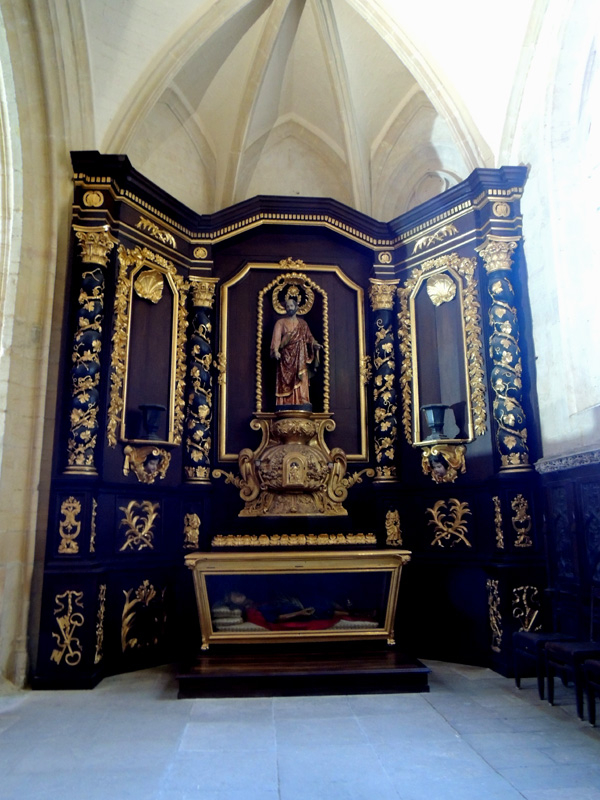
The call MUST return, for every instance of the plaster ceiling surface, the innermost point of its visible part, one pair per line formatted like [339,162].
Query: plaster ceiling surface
[359,100]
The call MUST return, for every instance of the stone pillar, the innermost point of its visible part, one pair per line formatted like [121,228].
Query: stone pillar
[506,375]
[381,294]
[96,244]
[199,405]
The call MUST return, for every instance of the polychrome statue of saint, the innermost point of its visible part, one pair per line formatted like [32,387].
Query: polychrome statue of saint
[297,354]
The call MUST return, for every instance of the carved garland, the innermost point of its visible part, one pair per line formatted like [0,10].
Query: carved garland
[130,260]
[300,279]
[200,397]
[465,267]
[494,612]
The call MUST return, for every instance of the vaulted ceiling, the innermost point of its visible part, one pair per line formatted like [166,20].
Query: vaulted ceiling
[220,101]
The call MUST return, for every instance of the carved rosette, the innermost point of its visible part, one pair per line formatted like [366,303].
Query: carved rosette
[381,294]
[199,405]
[506,374]
[96,244]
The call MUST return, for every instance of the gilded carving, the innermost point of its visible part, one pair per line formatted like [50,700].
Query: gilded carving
[96,244]
[221,366]
[292,540]
[381,294]
[392,528]
[85,374]
[441,289]
[464,269]
[494,614]
[149,285]
[68,618]
[385,401]
[147,463]
[93,526]
[443,462]
[384,257]
[366,370]
[145,613]
[506,375]
[294,281]
[200,252]
[521,521]
[526,608]
[200,397]
[501,209]
[498,523]
[157,233]
[131,262]
[292,472]
[449,522]
[139,533]
[69,528]
[100,624]
[203,291]
[93,199]
[438,236]
[191,531]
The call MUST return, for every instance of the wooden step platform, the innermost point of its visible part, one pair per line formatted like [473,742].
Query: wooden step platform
[270,671]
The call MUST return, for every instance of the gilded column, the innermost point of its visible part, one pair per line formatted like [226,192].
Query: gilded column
[199,406]
[506,375]
[381,294]
[96,244]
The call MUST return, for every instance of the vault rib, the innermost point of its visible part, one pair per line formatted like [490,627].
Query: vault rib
[356,159]
[278,35]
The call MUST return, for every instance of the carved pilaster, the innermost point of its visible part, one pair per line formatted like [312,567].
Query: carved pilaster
[199,405]
[506,374]
[381,294]
[96,244]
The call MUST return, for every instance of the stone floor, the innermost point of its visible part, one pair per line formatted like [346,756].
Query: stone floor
[474,736]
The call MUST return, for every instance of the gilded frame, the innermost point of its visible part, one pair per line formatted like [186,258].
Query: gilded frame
[386,561]
[462,271]
[289,266]
[131,263]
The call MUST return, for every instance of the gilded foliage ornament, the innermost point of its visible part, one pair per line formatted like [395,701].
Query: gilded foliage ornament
[498,523]
[68,616]
[139,533]
[495,613]
[527,607]
[69,528]
[521,521]
[449,523]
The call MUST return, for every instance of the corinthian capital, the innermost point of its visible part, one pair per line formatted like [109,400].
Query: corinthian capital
[203,291]
[95,243]
[381,294]
[497,254]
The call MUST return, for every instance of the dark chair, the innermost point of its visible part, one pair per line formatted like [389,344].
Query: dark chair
[565,659]
[591,679]
[528,646]
[528,651]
